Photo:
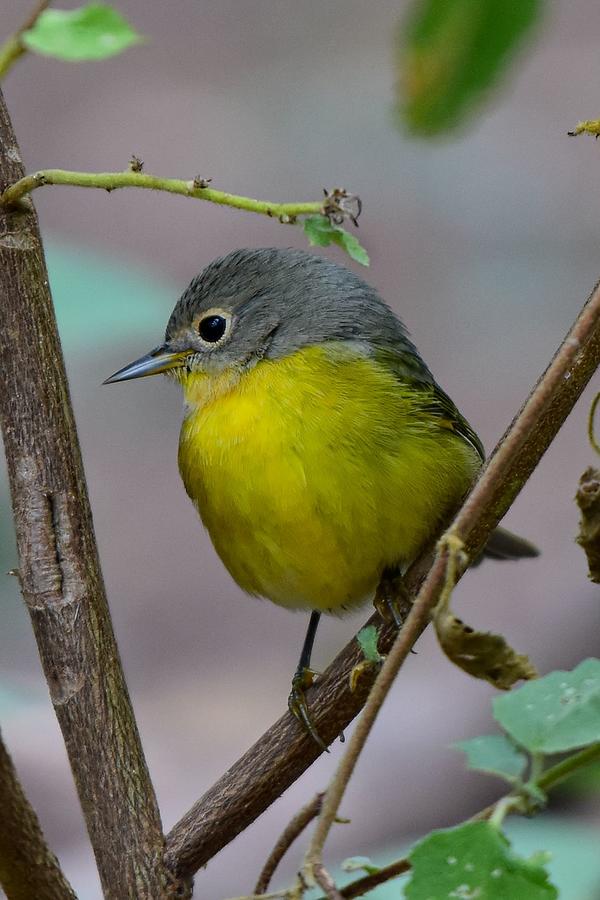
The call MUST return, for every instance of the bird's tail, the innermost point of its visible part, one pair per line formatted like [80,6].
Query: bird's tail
[503,544]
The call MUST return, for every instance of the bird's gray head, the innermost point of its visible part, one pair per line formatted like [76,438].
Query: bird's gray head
[268,303]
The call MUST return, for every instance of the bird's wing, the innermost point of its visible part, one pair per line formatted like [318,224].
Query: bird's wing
[441,407]
[409,368]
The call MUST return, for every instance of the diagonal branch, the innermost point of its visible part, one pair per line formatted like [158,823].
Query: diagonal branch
[28,868]
[59,569]
[282,754]
[491,497]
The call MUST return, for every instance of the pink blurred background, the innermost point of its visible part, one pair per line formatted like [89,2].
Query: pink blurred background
[486,243]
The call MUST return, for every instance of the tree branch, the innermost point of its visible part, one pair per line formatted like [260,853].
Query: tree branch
[293,830]
[28,868]
[13,48]
[501,480]
[59,569]
[196,188]
[283,753]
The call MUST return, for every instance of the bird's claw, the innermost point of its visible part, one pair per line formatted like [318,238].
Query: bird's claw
[392,600]
[298,706]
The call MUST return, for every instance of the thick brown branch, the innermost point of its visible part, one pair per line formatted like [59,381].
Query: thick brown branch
[282,754]
[59,569]
[28,868]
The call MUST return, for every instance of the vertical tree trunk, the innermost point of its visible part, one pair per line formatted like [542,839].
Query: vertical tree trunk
[59,569]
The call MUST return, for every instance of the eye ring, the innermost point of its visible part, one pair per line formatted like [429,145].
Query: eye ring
[212,326]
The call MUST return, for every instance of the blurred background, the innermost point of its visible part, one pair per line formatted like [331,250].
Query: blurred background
[486,243]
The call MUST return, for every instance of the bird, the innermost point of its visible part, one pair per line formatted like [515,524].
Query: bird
[316,445]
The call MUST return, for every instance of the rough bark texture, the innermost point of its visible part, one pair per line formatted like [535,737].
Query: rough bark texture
[59,569]
[283,753]
[28,868]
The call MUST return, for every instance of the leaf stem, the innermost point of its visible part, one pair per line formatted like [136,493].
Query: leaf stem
[112,181]
[592,413]
[510,803]
[555,774]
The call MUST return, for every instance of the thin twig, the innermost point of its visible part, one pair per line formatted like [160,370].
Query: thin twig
[325,880]
[591,416]
[112,181]
[368,882]
[59,569]
[28,868]
[278,758]
[293,830]
[13,48]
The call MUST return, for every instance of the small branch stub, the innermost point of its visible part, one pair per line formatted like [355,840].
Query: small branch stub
[339,205]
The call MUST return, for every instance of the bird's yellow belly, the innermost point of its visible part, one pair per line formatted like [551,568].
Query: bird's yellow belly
[311,476]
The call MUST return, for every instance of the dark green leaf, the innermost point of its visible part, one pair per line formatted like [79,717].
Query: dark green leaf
[367,638]
[451,52]
[95,31]
[320,233]
[556,713]
[496,754]
[474,861]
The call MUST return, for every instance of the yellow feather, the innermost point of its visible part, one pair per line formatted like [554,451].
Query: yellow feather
[314,472]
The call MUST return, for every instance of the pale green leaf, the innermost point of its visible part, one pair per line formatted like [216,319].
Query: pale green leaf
[367,638]
[556,713]
[95,31]
[496,754]
[474,861]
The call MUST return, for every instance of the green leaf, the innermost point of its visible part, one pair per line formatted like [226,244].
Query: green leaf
[451,52]
[496,754]
[474,861]
[95,31]
[556,713]
[368,638]
[351,245]
[321,232]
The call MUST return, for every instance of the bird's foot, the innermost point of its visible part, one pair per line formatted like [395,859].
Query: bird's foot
[392,599]
[297,705]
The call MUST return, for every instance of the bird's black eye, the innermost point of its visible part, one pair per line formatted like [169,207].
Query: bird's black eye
[212,328]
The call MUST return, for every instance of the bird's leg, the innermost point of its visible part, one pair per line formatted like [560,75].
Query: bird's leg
[392,600]
[303,678]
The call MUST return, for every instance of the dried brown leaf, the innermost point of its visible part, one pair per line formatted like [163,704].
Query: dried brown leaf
[481,654]
[588,501]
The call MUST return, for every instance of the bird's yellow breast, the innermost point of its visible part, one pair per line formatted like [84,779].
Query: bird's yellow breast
[314,472]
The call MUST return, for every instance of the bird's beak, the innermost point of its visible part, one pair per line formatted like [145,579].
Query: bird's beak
[158,360]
